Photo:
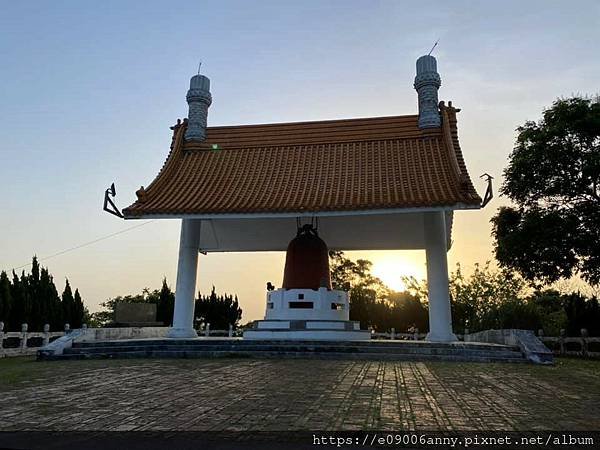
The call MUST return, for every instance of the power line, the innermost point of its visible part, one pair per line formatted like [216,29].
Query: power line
[85,244]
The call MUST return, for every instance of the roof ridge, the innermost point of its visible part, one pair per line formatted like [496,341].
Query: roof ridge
[309,122]
[204,146]
[168,165]
[450,132]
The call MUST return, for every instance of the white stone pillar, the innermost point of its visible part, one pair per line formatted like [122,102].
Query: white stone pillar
[440,318]
[185,293]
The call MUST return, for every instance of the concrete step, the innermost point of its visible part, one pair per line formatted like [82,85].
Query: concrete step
[307,348]
[288,354]
[196,343]
[353,350]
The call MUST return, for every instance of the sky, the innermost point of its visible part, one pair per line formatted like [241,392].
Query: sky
[88,91]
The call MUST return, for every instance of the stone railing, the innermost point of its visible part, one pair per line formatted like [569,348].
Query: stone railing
[392,335]
[205,331]
[583,345]
[23,336]
[529,344]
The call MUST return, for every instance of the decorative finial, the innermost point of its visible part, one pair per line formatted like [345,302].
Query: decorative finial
[199,99]
[427,83]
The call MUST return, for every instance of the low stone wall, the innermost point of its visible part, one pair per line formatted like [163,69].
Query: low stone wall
[99,334]
[110,334]
[533,349]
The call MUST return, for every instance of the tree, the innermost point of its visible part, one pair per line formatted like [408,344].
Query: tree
[166,304]
[219,311]
[372,303]
[553,177]
[68,304]
[33,299]
[347,274]
[47,303]
[6,301]
[581,312]
[20,310]
[79,311]
[480,300]
[551,304]
[107,316]
[401,311]
[365,290]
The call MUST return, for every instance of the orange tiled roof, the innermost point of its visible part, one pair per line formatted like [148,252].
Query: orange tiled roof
[334,165]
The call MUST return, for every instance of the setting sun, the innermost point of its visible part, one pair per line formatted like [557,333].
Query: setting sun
[391,269]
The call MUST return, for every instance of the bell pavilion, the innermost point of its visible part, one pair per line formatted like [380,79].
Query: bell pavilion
[374,183]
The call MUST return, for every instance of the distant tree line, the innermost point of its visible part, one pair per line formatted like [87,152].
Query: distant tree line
[486,299]
[218,310]
[33,299]
[502,299]
[371,302]
[164,299]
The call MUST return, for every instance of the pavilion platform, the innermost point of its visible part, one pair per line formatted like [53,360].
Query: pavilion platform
[312,349]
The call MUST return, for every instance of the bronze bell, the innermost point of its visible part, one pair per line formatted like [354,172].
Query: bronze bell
[307,261]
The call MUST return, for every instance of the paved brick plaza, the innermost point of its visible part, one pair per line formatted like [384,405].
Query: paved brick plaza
[252,394]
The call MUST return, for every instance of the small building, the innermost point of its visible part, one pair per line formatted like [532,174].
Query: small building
[375,183]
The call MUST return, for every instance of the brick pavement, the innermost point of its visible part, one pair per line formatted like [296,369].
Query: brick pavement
[253,394]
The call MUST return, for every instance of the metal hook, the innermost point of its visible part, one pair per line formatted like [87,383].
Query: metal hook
[111,192]
[489,193]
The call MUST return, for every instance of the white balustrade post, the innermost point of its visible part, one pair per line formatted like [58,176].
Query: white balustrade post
[230,334]
[393,334]
[207,330]
[440,318]
[185,290]
[23,337]
[46,338]
[67,328]
[1,339]
[584,344]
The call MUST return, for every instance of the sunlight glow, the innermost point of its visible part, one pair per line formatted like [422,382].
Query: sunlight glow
[391,271]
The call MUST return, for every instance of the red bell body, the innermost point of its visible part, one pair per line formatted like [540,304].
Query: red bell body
[307,261]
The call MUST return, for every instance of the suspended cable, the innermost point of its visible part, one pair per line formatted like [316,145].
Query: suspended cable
[85,244]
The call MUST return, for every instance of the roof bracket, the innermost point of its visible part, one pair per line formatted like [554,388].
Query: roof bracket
[109,205]
[489,193]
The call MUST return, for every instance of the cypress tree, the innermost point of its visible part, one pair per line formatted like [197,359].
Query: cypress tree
[78,310]
[5,299]
[165,304]
[50,308]
[35,307]
[68,304]
[33,299]
[218,310]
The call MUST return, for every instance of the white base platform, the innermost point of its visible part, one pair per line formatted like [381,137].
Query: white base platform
[324,330]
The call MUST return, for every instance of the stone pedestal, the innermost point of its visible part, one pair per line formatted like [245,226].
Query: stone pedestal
[307,314]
